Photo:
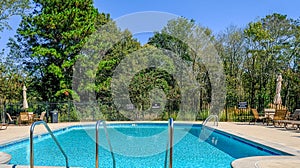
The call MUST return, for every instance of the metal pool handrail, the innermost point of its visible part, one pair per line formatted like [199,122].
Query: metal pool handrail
[170,144]
[108,141]
[216,121]
[53,137]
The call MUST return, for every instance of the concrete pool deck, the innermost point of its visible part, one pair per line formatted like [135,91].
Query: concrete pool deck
[279,138]
[285,140]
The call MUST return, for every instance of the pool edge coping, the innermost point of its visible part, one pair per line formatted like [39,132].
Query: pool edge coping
[276,146]
[251,162]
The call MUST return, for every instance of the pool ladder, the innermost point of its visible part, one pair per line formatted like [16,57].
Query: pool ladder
[53,137]
[108,141]
[170,144]
[215,117]
[206,131]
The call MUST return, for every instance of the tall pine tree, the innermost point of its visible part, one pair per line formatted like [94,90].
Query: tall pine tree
[50,39]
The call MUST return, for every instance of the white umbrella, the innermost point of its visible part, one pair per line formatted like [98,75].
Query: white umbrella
[25,103]
[277,98]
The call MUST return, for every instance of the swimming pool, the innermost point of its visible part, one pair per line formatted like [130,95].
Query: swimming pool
[137,145]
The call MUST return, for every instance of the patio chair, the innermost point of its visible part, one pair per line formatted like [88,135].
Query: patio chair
[293,119]
[8,121]
[11,119]
[292,122]
[257,117]
[297,123]
[295,115]
[23,118]
[279,116]
[41,118]
[3,125]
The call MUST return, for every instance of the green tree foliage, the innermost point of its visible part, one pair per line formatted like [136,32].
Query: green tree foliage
[150,79]
[230,46]
[254,56]
[187,40]
[154,75]
[9,8]
[10,87]
[58,39]
[94,70]
[11,82]
[119,50]
[271,50]
[50,39]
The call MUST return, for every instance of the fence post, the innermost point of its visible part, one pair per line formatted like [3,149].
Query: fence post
[47,111]
[226,119]
[93,112]
[68,110]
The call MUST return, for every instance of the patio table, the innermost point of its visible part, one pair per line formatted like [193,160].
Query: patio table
[269,114]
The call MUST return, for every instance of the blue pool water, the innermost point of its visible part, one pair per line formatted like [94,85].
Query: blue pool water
[138,145]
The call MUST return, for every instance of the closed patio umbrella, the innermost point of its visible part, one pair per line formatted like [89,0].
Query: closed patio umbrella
[25,103]
[277,98]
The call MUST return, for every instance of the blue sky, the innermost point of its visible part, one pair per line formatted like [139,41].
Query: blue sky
[215,14]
